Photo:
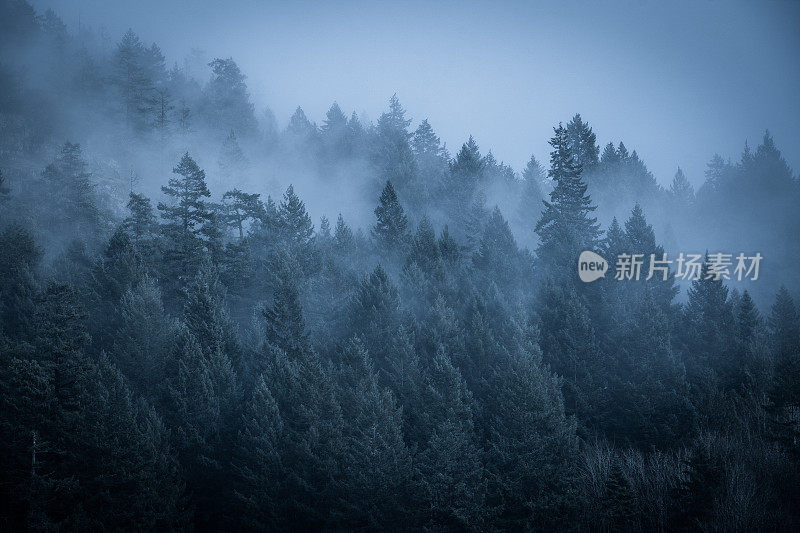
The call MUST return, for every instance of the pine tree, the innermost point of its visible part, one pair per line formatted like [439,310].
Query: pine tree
[257,460]
[375,315]
[530,202]
[18,286]
[232,161]
[569,345]
[77,205]
[583,143]
[336,135]
[186,219]
[391,229]
[312,445]
[226,104]
[200,400]
[343,236]
[681,191]
[377,469]
[134,80]
[497,255]
[450,463]
[286,328]
[784,327]
[565,227]
[141,345]
[141,224]
[619,501]
[531,444]
[707,332]
[424,250]
[295,222]
[239,208]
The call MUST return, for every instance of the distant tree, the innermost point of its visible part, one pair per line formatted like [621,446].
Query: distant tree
[424,250]
[707,333]
[619,501]
[375,315]
[18,285]
[393,155]
[286,328]
[4,191]
[336,137]
[391,230]
[681,191]
[143,340]
[583,143]
[200,402]
[232,161]
[294,219]
[312,444]
[186,219]
[343,236]
[134,78]
[497,254]
[141,224]
[565,227]
[530,202]
[77,204]
[239,208]
[227,104]
[784,327]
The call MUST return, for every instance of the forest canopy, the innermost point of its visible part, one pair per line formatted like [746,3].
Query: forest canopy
[185,343]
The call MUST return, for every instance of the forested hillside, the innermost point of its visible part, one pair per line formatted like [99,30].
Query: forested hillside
[182,345]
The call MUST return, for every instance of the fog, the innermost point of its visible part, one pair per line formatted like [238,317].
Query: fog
[315,266]
[661,75]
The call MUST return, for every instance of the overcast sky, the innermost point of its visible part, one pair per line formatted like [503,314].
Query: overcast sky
[675,81]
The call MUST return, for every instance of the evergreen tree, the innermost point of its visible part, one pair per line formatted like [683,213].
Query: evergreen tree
[343,236]
[239,208]
[375,315]
[707,333]
[141,344]
[295,222]
[286,329]
[619,501]
[784,327]
[312,444]
[681,191]
[257,460]
[531,445]
[186,219]
[565,227]
[200,401]
[134,80]
[141,224]
[377,469]
[77,205]
[450,463]
[226,104]
[232,161]
[391,230]
[582,143]
[392,153]
[530,202]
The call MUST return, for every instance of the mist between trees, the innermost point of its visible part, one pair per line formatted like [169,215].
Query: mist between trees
[183,346]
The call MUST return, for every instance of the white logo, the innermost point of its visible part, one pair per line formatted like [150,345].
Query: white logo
[591,266]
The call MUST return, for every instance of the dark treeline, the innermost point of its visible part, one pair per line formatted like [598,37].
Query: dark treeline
[175,358]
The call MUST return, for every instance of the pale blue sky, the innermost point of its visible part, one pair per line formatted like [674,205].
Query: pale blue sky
[676,81]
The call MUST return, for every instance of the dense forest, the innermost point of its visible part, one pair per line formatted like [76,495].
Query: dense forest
[182,346]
